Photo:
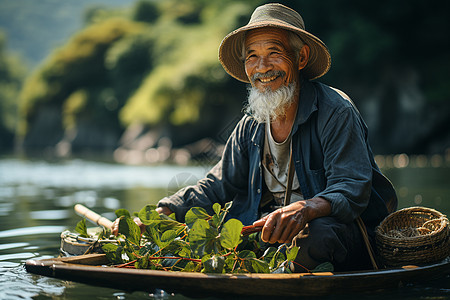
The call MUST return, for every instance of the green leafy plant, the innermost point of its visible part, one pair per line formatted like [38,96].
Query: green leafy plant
[205,243]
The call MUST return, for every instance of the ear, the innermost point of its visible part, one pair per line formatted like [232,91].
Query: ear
[303,57]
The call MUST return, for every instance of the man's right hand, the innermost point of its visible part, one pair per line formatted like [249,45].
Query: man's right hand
[160,210]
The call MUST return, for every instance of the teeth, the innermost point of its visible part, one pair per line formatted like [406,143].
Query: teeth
[267,79]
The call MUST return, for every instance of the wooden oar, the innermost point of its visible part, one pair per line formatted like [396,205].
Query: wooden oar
[92,216]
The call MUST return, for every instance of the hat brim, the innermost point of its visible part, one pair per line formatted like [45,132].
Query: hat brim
[230,51]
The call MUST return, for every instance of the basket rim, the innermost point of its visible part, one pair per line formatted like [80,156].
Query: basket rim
[381,234]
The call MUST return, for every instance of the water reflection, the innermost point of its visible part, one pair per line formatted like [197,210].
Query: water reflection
[30,177]
[17,284]
[53,214]
[31,231]
[37,199]
[13,245]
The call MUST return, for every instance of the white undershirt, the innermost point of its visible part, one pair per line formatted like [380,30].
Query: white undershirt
[276,167]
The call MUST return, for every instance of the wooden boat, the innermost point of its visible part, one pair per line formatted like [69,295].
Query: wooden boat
[91,269]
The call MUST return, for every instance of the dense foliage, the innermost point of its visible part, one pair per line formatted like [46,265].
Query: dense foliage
[12,72]
[210,244]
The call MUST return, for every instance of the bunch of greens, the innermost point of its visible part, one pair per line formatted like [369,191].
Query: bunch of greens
[204,243]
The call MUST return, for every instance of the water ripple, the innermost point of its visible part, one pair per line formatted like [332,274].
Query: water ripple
[86,174]
[15,283]
[31,231]
[49,214]
[13,245]
[25,255]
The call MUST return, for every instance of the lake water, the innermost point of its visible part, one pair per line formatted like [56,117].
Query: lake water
[37,199]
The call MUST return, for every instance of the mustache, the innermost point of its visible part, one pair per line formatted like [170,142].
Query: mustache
[268,74]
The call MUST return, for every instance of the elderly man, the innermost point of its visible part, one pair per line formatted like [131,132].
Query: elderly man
[298,164]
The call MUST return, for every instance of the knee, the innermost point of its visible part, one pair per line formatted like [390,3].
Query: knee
[318,243]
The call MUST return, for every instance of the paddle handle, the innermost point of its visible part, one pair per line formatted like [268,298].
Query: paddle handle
[92,216]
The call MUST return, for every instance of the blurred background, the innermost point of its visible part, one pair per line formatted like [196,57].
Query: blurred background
[118,103]
[140,82]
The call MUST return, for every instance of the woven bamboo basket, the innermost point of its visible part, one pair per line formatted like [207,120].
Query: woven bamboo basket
[414,235]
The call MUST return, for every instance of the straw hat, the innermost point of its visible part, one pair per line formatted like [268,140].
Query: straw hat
[278,16]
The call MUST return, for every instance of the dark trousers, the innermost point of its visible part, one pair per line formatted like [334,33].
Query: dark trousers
[326,240]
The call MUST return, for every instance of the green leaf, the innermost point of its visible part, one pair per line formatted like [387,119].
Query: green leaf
[168,236]
[215,221]
[148,249]
[169,262]
[130,229]
[198,230]
[184,251]
[251,263]
[259,266]
[194,214]
[324,267]
[269,254]
[217,208]
[190,267]
[229,263]
[245,254]
[203,238]
[122,212]
[109,247]
[291,254]
[169,224]
[277,260]
[113,253]
[81,228]
[230,236]
[154,235]
[214,264]
[148,214]
[141,263]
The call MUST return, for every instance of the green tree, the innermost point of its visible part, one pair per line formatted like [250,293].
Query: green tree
[77,81]
[154,70]
[12,72]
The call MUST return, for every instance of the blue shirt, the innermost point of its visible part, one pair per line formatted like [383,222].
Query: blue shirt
[332,157]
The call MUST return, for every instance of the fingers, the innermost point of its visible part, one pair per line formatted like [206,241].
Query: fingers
[260,222]
[268,227]
[115,227]
[163,210]
[273,227]
[281,226]
[295,225]
[140,224]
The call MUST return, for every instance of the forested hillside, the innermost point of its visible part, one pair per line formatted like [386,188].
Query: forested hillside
[146,76]
[35,28]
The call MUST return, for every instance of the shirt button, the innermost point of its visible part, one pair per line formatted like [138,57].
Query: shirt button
[259,191]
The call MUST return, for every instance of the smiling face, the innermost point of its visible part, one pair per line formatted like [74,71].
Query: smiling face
[269,59]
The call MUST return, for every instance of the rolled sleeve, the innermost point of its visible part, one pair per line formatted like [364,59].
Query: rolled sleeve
[226,179]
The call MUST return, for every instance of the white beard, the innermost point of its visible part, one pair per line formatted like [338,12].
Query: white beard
[267,106]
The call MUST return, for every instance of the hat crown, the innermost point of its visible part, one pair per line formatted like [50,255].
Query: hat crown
[277,13]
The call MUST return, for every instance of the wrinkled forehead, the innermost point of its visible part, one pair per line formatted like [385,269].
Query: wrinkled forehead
[267,36]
